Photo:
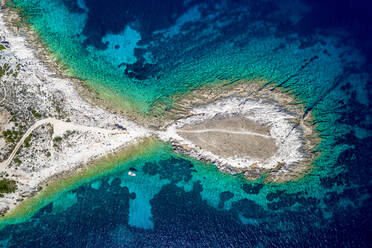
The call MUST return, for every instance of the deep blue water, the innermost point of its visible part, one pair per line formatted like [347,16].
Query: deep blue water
[145,52]
[319,50]
[181,216]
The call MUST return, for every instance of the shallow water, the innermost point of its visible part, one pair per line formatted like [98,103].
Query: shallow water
[169,48]
[175,202]
[155,51]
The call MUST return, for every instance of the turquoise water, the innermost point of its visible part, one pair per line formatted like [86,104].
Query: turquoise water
[185,203]
[146,52]
[156,64]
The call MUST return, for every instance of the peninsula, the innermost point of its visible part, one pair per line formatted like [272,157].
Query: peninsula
[48,129]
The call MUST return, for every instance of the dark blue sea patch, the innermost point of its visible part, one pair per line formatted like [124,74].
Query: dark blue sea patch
[113,16]
[331,207]
[99,217]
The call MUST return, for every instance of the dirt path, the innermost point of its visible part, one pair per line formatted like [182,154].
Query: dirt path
[224,131]
[59,127]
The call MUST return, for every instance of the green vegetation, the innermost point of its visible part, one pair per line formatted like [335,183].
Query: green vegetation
[2,47]
[7,133]
[7,186]
[27,141]
[48,154]
[12,136]
[4,69]
[35,114]
[18,161]
[57,141]
[68,133]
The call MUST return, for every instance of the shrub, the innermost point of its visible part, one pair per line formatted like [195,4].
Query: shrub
[35,114]
[7,186]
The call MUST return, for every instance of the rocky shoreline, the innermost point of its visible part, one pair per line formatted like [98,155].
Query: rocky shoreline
[69,131]
[85,127]
[212,102]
